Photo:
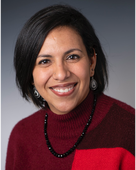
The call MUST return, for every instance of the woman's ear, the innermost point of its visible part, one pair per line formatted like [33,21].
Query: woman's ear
[93,64]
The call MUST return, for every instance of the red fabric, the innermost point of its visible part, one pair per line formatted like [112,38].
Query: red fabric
[103,159]
[27,149]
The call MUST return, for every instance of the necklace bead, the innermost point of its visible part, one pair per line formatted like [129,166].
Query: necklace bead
[79,139]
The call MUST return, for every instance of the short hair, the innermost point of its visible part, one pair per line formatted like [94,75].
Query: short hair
[32,36]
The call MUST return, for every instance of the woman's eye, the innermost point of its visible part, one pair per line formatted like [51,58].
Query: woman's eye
[45,61]
[73,57]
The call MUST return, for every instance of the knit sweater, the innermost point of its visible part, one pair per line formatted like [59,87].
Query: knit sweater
[107,145]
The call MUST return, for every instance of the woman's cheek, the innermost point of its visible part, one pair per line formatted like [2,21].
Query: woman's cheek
[40,76]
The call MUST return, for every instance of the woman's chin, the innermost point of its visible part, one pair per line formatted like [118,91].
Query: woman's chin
[61,110]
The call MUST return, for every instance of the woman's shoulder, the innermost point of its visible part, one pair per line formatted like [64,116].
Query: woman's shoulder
[29,124]
[26,133]
[115,126]
[31,119]
[115,104]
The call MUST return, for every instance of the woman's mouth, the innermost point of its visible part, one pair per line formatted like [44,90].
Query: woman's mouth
[63,89]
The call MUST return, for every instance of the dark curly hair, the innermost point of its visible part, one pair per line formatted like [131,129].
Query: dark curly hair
[33,34]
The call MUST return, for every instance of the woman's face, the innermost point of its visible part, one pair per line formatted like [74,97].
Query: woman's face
[62,70]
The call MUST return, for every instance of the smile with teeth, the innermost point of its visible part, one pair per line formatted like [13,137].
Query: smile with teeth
[64,90]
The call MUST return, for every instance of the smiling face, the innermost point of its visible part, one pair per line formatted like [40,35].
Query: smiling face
[62,71]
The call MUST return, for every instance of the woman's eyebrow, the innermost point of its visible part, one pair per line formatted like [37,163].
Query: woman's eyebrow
[65,53]
[71,50]
[44,55]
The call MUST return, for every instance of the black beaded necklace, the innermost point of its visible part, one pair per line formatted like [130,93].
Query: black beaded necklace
[79,139]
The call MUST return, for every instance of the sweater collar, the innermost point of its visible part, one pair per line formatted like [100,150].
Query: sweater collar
[72,123]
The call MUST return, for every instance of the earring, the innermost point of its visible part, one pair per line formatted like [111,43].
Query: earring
[93,84]
[36,94]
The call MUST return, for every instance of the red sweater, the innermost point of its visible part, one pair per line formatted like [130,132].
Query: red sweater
[108,144]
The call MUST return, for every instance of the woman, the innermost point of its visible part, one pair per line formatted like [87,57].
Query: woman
[61,67]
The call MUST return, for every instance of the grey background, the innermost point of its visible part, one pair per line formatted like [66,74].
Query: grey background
[114,25]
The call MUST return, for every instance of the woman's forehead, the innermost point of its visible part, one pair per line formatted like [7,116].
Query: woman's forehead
[62,39]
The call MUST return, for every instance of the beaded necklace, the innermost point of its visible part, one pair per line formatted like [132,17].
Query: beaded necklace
[79,139]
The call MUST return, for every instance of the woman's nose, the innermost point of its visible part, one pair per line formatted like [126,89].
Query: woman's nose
[61,72]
